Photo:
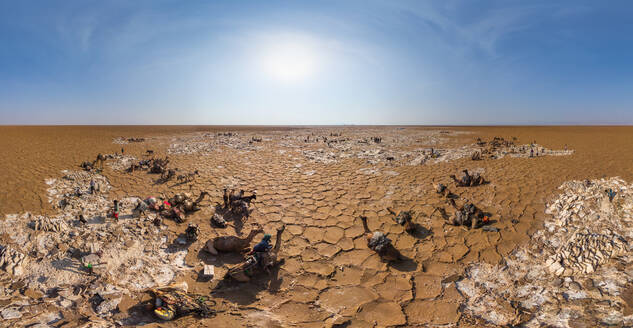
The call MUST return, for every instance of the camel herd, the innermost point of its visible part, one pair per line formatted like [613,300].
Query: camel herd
[237,204]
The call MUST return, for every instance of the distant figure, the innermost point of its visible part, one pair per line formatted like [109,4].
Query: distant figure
[122,150]
[532,152]
[115,210]
[92,186]
[611,194]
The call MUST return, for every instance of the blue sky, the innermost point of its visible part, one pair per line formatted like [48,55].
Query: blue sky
[309,62]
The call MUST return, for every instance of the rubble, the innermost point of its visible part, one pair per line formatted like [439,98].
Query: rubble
[585,241]
[123,256]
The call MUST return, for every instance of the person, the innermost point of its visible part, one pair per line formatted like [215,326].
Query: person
[611,194]
[92,186]
[264,245]
[122,151]
[89,269]
[115,210]
[261,248]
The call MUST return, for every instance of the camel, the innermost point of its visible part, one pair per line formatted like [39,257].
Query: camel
[232,243]
[238,203]
[187,177]
[442,190]
[403,219]
[244,271]
[88,166]
[159,165]
[466,215]
[175,213]
[99,160]
[167,174]
[184,202]
[191,206]
[133,167]
[467,180]
[378,242]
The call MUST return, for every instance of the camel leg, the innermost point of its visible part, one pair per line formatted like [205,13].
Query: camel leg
[364,219]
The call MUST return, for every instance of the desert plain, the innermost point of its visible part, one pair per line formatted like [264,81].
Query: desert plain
[555,253]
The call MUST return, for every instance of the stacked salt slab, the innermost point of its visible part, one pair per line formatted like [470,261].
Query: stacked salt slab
[573,272]
[47,252]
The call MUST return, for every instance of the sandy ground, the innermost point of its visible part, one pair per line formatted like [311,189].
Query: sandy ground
[318,191]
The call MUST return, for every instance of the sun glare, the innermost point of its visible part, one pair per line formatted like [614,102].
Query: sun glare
[289,61]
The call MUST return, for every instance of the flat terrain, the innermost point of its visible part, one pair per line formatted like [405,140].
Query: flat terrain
[318,192]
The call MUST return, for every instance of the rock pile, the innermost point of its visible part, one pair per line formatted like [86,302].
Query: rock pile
[584,252]
[121,162]
[126,255]
[45,223]
[11,260]
[573,270]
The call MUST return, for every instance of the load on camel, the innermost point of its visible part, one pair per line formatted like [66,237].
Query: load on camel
[159,165]
[263,257]
[185,201]
[232,243]
[404,219]
[468,180]
[467,215]
[378,242]
[175,208]
[180,204]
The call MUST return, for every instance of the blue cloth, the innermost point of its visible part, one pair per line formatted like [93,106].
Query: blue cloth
[262,246]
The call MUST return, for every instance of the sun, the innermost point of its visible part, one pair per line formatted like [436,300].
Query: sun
[289,61]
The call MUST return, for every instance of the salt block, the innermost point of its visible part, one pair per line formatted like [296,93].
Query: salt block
[208,271]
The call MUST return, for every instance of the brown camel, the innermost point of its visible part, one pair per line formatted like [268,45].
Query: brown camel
[466,215]
[244,271]
[232,243]
[187,177]
[99,160]
[404,219]
[190,206]
[467,180]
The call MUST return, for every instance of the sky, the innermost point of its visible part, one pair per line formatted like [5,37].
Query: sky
[316,62]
